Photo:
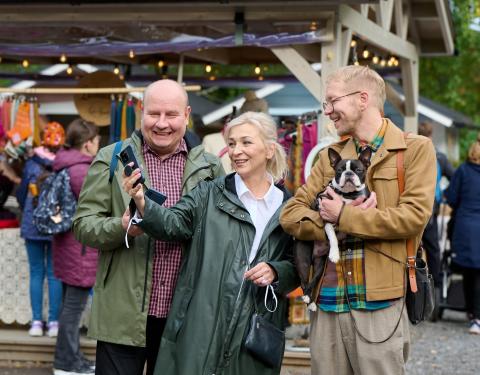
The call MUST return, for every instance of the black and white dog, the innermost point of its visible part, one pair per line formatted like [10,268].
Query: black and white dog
[349,183]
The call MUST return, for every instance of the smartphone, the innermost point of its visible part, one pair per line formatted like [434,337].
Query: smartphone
[126,157]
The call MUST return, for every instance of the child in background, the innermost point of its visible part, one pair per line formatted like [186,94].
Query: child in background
[39,246]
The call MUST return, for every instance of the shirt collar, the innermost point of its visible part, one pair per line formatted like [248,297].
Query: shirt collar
[242,189]
[181,148]
[376,141]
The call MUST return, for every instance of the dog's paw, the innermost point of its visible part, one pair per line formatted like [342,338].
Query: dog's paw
[312,306]
[334,256]
[306,299]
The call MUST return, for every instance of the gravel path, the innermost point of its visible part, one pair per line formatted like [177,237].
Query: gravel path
[444,348]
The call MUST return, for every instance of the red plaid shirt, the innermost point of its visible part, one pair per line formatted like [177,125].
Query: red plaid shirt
[165,176]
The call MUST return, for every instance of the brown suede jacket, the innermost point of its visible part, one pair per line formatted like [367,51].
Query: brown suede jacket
[385,227]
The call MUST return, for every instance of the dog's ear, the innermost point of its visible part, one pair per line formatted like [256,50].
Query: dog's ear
[334,157]
[365,156]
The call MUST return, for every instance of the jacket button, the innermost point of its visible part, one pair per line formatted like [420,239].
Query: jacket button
[242,216]
[349,273]
[221,204]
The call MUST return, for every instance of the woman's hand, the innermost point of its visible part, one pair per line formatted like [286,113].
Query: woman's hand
[262,274]
[135,192]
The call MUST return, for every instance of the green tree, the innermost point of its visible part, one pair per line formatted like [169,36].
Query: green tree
[454,80]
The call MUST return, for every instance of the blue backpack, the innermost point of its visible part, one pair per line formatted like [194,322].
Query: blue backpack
[56,204]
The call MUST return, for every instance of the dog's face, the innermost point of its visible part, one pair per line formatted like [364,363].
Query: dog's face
[349,173]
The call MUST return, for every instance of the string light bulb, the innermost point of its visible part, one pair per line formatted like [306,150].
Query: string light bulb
[375,59]
[257,69]
[69,70]
[353,43]
[396,62]
[260,78]
[25,63]
[212,78]
[313,26]
[116,70]
[63,58]
[383,62]
[208,68]
[161,63]
[365,53]
[356,63]
[131,54]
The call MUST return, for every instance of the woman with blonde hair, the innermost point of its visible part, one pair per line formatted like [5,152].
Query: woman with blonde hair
[234,251]
[463,195]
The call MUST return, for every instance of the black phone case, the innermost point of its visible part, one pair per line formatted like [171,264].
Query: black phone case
[156,196]
[126,157]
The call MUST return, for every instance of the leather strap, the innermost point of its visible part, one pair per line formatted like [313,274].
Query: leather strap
[410,250]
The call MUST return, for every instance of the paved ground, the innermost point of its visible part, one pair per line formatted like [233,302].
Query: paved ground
[442,348]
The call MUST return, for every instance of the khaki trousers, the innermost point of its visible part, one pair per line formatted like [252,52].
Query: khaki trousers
[337,349]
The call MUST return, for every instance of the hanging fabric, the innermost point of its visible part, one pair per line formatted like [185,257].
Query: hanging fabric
[22,128]
[113,114]
[123,122]
[37,141]
[130,117]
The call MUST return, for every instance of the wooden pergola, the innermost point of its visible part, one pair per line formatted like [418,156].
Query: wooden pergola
[406,29]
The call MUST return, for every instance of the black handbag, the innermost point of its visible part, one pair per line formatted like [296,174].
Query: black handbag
[420,304]
[264,340]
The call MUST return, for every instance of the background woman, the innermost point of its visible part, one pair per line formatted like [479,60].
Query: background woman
[463,195]
[39,246]
[234,249]
[74,264]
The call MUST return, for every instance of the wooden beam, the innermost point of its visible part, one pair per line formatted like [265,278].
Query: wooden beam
[445,25]
[76,90]
[383,13]
[375,34]
[401,20]
[410,90]
[157,13]
[301,69]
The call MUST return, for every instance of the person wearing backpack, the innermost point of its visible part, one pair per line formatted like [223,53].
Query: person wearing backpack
[38,245]
[74,264]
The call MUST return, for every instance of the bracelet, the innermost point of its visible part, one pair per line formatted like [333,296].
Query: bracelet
[340,214]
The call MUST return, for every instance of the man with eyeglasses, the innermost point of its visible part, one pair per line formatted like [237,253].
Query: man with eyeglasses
[360,325]
[134,286]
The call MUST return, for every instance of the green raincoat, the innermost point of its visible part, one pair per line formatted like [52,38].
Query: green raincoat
[212,305]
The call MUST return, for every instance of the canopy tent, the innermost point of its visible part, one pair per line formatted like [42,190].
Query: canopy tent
[295,33]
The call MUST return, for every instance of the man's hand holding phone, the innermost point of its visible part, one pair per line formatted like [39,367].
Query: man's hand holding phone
[131,185]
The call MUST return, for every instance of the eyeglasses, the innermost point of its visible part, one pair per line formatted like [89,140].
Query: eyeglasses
[328,105]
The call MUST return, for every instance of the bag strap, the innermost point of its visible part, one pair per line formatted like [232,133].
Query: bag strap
[114,161]
[410,250]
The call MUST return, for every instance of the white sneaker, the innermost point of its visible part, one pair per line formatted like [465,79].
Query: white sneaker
[83,369]
[36,329]
[474,327]
[52,329]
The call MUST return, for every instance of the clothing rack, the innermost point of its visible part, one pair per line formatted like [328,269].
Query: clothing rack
[72,90]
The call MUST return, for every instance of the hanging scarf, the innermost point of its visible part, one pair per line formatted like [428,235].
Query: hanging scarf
[130,117]
[113,114]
